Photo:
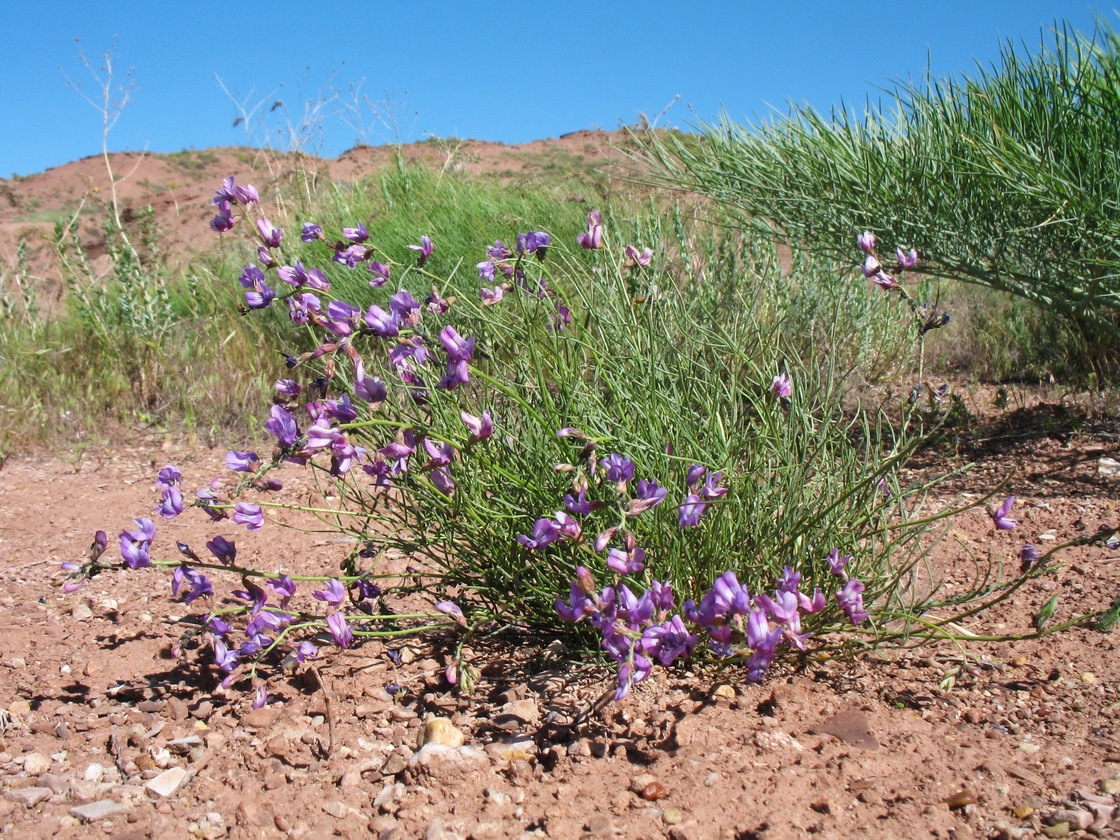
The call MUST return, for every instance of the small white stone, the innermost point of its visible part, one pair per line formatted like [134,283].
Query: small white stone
[94,773]
[168,782]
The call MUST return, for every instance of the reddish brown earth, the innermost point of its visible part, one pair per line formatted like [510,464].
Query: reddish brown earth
[96,711]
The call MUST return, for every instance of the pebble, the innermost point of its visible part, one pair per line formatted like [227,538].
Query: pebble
[672,816]
[36,763]
[440,731]
[1110,786]
[81,611]
[28,796]
[1074,818]
[97,810]
[168,782]
[337,809]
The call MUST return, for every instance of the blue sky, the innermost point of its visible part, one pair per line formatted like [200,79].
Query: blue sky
[510,72]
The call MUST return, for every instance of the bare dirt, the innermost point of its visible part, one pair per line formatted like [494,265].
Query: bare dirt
[106,734]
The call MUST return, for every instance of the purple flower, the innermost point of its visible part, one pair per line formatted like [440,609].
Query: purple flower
[299,309]
[441,480]
[198,583]
[871,266]
[440,454]
[1002,521]
[837,562]
[247,195]
[351,256]
[498,251]
[171,505]
[618,468]
[287,388]
[533,242]
[311,232]
[224,658]
[850,599]
[305,650]
[334,594]
[544,532]
[282,426]
[486,271]
[695,473]
[402,304]
[224,221]
[97,547]
[492,296]
[790,580]
[260,695]
[169,476]
[691,510]
[1028,556]
[634,257]
[458,348]
[626,562]
[668,641]
[884,280]
[424,250]
[340,631]
[135,544]
[371,390]
[712,489]
[452,609]
[906,259]
[577,607]
[647,495]
[242,461]
[811,605]
[866,241]
[380,273]
[593,239]
[782,386]
[561,317]
[223,549]
[381,322]
[479,427]
[283,586]
[299,276]
[358,234]
[249,515]
[226,193]
[270,234]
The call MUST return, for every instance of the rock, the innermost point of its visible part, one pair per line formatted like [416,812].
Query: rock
[260,718]
[526,711]
[97,810]
[1056,830]
[851,727]
[641,781]
[36,763]
[1075,818]
[28,796]
[389,797]
[94,773]
[81,612]
[446,763]
[1108,468]
[168,782]
[510,751]
[672,816]
[1110,786]
[723,692]
[176,709]
[440,731]
[337,809]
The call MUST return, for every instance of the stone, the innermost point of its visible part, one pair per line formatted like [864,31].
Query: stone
[446,763]
[81,612]
[1108,468]
[97,810]
[1075,817]
[28,796]
[36,763]
[337,809]
[440,731]
[672,816]
[57,784]
[94,773]
[260,718]
[254,812]
[1110,786]
[168,782]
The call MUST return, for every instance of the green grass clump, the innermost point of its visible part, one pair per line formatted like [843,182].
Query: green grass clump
[1007,179]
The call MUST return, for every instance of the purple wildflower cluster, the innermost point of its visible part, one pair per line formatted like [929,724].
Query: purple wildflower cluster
[640,629]
[873,269]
